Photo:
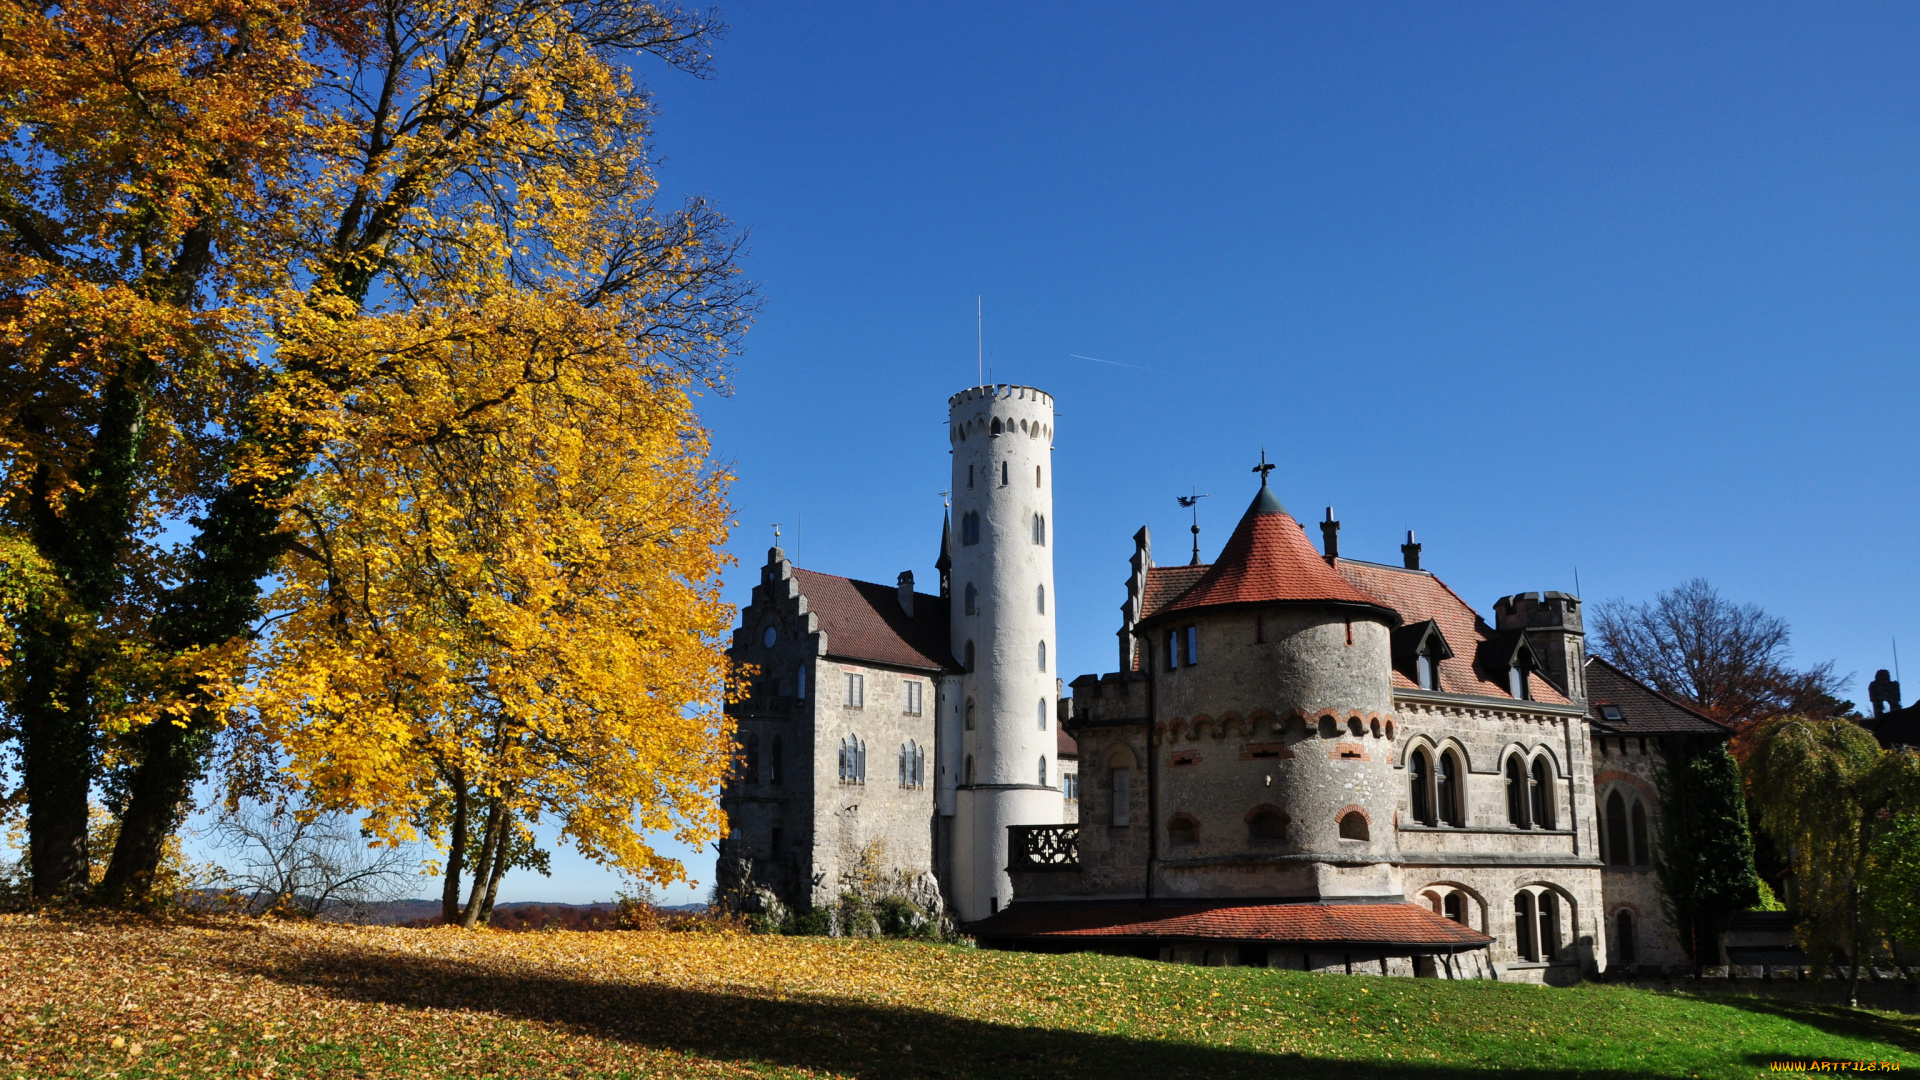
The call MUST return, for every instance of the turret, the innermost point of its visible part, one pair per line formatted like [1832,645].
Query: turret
[1002,633]
[1553,627]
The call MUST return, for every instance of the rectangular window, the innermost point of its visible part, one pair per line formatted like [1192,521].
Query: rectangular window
[800,681]
[1122,783]
[1193,645]
[1173,649]
[913,697]
[855,691]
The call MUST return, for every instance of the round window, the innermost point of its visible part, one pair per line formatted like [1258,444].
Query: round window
[769,637]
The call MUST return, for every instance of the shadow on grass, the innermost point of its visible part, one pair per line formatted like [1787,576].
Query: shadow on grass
[1832,1019]
[871,1041]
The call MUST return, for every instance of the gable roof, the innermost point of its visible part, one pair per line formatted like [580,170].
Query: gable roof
[1166,583]
[1269,560]
[1419,596]
[1643,710]
[863,621]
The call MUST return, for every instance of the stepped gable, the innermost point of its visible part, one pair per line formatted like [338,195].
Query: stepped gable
[1269,560]
[1418,596]
[863,621]
[1387,924]
[1619,704]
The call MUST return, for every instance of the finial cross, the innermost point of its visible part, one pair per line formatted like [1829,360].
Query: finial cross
[1264,467]
[776,534]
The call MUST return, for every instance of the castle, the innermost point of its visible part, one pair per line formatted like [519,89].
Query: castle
[1302,760]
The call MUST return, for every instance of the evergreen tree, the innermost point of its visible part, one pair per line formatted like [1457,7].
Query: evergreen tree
[1704,854]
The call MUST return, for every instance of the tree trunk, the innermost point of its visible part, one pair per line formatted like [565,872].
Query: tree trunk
[499,865]
[1853,979]
[495,815]
[456,854]
[219,601]
[57,768]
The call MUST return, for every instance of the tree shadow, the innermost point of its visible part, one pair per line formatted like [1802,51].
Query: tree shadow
[1832,1019]
[856,1038]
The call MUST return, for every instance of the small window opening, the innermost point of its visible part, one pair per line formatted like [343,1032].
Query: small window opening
[1043,656]
[1036,468]
[969,714]
[1043,714]
[966,662]
[1623,943]
[1193,645]
[1353,826]
[1182,831]
[973,599]
[1452,908]
[1040,598]
[1267,824]
[1043,770]
[1003,474]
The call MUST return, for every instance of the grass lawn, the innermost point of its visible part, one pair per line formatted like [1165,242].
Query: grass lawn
[101,998]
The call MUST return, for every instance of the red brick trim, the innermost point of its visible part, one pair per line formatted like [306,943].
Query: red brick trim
[1615,776]
[1348,751]
[1352,808]
[1265,750]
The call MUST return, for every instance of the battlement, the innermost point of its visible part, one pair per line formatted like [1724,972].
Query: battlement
[1000,392]
[1550,610]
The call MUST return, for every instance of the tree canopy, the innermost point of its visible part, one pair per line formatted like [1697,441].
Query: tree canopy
[337,295]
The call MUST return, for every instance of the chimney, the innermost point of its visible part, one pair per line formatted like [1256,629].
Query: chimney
[1410,552]
[1330,535]
[905,587]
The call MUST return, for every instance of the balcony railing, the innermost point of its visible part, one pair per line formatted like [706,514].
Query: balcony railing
[765,707]
[1043,847]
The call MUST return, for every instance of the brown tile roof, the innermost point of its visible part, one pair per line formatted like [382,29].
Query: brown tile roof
[1165,583]
[1356,924]
[1268,560]
[1643,710]
[1418,596]
[863,621]
[1065,745]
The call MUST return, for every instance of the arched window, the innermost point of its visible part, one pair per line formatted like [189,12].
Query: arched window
[1454,908]
[1353,826]
[1426,666]
[1003,474]
[1266,825]
[1040,598]
[1043,656]
[1036,468]
[1040,529]
[996,425]
[966,663]
[1549,926]
[970,528]
[973,599]
[776,763]
[753,759]
[1524,941]
[1642,850]
[1451,809]
[1516,793]
[1542,792]
[1420,777]
[1623,943]
[969,700]
[1183,830]
[1618,851]
[1043,714]
[1043,770]
[969,770]
[859,760]
[903,764]
[969,476]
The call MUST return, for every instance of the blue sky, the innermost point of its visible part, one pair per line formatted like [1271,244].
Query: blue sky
[1624,288]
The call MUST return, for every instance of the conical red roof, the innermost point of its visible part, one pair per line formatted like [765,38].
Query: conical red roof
[1269,560]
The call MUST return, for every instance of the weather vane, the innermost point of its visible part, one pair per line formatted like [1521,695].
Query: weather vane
[1264,467]
[1192,502]
[776,534]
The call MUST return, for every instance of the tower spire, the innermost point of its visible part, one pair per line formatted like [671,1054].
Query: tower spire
[1264,467]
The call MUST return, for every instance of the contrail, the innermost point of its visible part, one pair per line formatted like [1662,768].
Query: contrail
[1115,363]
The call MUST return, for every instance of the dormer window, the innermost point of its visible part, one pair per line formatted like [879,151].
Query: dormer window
[1417,652]
[1517,682]
[1609,711]
[1425,672]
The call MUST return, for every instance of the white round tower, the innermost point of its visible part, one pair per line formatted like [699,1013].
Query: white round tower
[1002,610]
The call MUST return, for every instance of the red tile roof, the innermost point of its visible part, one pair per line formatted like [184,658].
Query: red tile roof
[1356,924]
[863,621]
[1268,560]
[1166,583]
[1418,596]
[1065,745]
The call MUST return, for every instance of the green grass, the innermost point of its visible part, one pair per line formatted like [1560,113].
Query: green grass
[235,998]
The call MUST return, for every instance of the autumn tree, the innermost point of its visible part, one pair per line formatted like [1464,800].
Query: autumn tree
[436,168]
[1842,806]
[1730,661]
[502,606]
[151,145]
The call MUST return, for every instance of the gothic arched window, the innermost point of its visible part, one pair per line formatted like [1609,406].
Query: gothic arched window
[1454,908]
[1040,598]
[1043,656]
[1043,714]
[969,770]
[1542,792]
[966,662]
[1549,926]
[1451,809]
[1043,770]
[1003,474]
[1420,777]
[1040,529]
[1619,853]
[969,703]
[1516,793]
[1524,941]
[1623,943]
